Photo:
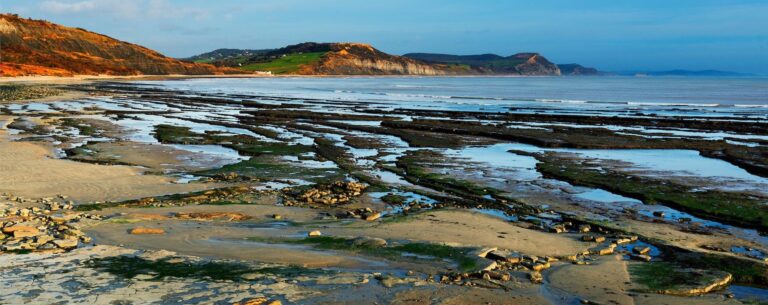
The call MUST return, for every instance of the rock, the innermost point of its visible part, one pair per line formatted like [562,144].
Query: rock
[373,216]
[603,250]
[42,239]
[277,216]
[557,229]
[65,243]
[503,256]
[697,282]
[19,231]
[390,281]
[143,231]
[499,276]
[641,250]
[331,194]
[258,301]
[342,280]
[213,216]
[536,277]
[314,233]
[585,228]
[372,242]
[536,266]
[593,238]
[640,257]
[620,241]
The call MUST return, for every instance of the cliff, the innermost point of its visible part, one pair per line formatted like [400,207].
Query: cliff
[312,58]
[518,64]
[363,59]
[36,47]
[576,69]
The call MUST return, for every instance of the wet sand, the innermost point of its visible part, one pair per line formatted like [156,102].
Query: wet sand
[29,170]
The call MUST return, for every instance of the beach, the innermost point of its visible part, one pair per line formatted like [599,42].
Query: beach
[401,190]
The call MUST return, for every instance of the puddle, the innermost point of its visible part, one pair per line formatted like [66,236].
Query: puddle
[498,155]
[749,295]
[604,196]
[749,252]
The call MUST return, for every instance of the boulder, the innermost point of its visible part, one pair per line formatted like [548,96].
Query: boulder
[65,243]
[19,231]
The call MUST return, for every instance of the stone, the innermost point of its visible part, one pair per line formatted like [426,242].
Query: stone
[503,256]
[314,233]
[144,231]
[65,243]
[369,242]
[258,301]
[536,277]
[42,239]
[621,241]
[213,216]
[499,276]
[593,238]
[585,228]
[536,266]
[604,250]
[373,216]
[557,229]
[640,257]
[277,216]
[641,250]
[19,231]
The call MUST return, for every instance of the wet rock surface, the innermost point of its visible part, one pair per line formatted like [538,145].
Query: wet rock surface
[52,228]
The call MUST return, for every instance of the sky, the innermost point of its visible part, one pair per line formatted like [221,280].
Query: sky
[613,35]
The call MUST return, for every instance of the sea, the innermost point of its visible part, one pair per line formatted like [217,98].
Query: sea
[587,95]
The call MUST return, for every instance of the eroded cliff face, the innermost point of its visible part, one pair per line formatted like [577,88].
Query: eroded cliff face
[363,59]
[518,64]
[36,47]
[535,64]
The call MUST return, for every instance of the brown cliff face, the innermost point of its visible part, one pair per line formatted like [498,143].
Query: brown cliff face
[35,47]
[363,59]
[535,64]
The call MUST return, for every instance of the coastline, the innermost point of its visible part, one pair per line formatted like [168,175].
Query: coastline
[249,206]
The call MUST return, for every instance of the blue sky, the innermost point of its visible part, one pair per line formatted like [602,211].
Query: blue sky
[610,35]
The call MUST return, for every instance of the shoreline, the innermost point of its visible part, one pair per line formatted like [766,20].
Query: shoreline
[426,215]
